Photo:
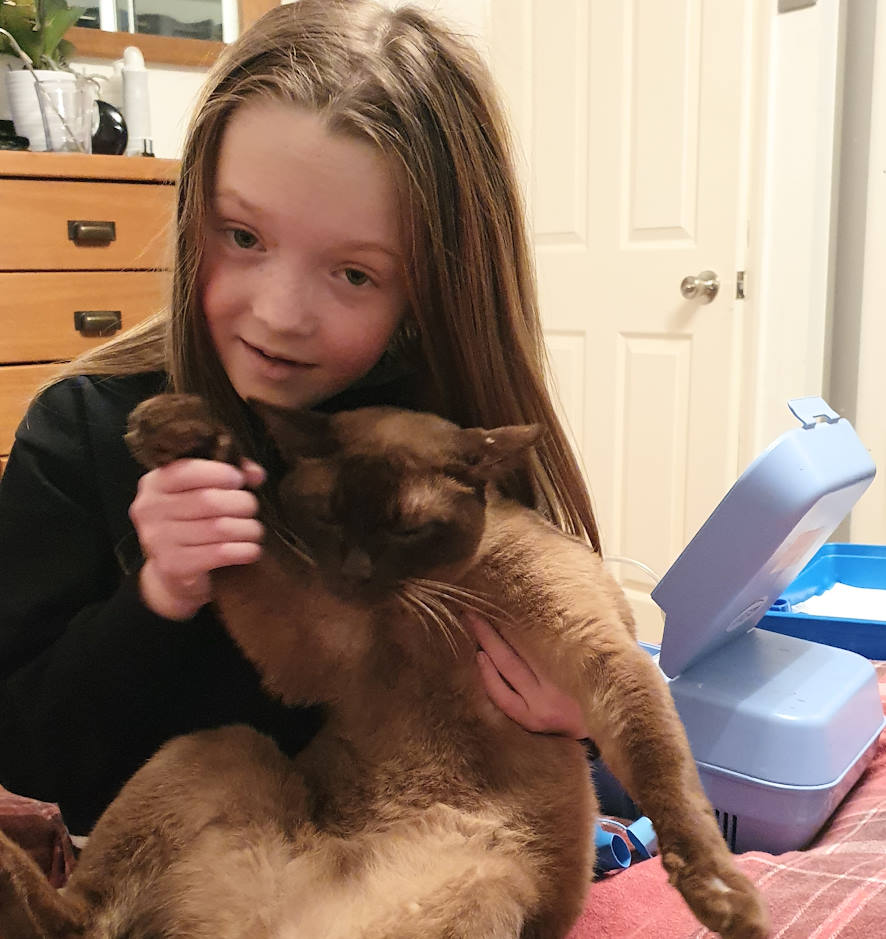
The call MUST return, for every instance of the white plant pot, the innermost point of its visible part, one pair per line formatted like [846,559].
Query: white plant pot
[68,118]
[6,62]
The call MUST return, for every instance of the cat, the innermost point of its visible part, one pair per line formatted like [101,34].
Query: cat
[419,809]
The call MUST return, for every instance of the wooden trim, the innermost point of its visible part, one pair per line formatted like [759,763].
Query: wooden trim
[21,163]
[251,10]
[157,50]
[162,50]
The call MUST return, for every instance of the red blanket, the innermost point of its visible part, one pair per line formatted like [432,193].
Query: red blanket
[837,887]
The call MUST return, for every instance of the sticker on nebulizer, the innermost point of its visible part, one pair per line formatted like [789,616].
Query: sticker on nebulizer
[748,615]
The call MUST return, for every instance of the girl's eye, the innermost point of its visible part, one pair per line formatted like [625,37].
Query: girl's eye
[356,277]
[242,238]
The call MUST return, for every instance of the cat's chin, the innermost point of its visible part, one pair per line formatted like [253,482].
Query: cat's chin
[362,592]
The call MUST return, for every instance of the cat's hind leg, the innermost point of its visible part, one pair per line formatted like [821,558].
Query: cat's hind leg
[30,907]
[176,836]
[443,874]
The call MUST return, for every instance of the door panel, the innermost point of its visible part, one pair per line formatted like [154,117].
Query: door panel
[629,116]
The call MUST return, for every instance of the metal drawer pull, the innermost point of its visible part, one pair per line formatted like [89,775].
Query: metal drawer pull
[82,232]
[97,322]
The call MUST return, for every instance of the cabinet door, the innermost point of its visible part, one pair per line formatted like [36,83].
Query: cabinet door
[60,225]
[17,384]
[39,310]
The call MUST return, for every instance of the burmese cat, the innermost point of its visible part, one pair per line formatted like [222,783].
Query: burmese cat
[419,810]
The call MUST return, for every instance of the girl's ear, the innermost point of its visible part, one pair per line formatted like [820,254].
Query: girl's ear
[489,454]
[297,433]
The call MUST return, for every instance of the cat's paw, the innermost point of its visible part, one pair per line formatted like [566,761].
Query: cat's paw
[29,905]
[169,427]
[719,894]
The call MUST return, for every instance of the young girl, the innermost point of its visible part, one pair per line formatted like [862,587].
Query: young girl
[349,232]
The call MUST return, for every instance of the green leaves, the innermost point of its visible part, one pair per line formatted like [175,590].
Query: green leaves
[38,27]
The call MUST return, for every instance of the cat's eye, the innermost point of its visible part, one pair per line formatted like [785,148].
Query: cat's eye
[416,531]
[323,516]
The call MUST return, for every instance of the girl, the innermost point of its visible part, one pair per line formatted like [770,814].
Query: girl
[349,232]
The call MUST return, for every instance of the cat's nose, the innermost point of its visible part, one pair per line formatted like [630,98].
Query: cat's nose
[357,565]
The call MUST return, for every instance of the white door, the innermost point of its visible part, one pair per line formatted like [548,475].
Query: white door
[629,113]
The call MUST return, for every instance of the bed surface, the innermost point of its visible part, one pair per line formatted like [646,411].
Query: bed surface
[836,887]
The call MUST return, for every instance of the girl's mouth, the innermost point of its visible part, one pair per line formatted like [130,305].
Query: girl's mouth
[275,365]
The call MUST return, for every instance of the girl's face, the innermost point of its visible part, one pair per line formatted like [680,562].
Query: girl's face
[302,278]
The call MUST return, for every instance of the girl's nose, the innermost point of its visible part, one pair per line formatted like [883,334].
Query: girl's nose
[285,302]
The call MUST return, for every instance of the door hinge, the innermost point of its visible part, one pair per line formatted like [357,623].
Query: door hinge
[739,285]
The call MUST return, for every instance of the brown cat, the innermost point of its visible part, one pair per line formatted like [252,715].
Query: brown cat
[419,810]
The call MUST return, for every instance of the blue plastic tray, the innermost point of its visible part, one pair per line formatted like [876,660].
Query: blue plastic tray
[857,565]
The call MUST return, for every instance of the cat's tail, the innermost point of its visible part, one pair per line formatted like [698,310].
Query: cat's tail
[30,907]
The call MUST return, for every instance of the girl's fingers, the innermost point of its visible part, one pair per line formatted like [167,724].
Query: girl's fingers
[211,503]
[255,474]
[215,531]
[192,517]
[511,665]
[519,691]
[197,504]
[183,564]
[184,475]
[500,693]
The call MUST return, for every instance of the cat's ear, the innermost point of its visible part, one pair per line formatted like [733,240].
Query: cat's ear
[297,433]
[489,454]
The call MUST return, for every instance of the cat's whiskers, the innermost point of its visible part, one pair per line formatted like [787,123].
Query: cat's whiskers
[294,544]
[422,612]
[468,599]
[413,607]
[430,607]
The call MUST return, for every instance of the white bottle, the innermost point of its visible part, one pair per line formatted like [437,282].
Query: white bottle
[112,89]
[135,103]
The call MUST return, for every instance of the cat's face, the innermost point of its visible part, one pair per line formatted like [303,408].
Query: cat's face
[380,496]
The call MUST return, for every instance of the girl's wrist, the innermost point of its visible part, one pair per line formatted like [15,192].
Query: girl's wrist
[160,599]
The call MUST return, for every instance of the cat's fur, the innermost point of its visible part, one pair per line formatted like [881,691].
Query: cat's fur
[419,810]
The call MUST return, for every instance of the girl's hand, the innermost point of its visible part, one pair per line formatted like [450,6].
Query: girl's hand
[518,689]
[191,517]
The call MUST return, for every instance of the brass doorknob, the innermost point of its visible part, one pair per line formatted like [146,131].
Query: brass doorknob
[702,288]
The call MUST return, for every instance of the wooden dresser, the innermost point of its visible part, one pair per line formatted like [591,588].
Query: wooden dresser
[85,251]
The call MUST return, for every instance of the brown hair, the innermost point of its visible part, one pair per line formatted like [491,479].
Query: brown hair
[425,98]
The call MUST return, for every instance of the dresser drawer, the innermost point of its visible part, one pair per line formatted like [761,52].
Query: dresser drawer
[136,217]
[17,384]
[37,310]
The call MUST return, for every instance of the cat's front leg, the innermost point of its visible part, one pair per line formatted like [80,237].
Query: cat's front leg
[170,427]
[633,721]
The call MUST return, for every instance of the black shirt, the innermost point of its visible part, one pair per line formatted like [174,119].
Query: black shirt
[91,681]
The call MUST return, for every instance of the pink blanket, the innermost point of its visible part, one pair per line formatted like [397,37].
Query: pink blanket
[837,887]
[39,829]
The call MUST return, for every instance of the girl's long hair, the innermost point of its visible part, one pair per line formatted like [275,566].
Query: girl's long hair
[401,80]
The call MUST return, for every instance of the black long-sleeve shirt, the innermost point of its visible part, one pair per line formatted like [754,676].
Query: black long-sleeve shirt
[91,681]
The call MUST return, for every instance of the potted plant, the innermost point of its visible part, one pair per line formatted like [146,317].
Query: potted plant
[33,33]
[39,26]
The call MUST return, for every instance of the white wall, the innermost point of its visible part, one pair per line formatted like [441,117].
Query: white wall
[858,375]
[172,92]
